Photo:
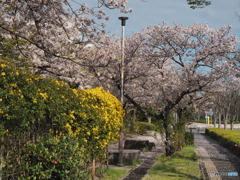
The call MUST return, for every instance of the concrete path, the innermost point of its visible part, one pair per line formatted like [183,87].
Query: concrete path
[216,161]
[203,125]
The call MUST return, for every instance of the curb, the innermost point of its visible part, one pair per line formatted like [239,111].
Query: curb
[208,169]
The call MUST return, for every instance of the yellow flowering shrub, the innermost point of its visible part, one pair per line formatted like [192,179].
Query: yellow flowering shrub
[102,115]
[46,113]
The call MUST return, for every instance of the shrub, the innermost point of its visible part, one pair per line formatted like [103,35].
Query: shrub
[56,157]
[142,127]
[43,119]
[189,138]
[227,138]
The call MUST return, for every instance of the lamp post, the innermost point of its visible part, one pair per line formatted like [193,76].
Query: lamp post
[120,142]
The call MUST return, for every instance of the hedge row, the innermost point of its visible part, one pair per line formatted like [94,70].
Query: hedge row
[227,138]
[50,131]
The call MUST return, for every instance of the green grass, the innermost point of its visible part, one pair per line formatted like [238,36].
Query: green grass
[180,166]
[114,174]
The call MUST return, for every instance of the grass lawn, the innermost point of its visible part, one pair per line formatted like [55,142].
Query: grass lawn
[114,174]
[180,166]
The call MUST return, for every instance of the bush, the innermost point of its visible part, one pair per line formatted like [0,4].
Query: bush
[142,127]
[227,138]
[43,119]
[56,157]
[189,138]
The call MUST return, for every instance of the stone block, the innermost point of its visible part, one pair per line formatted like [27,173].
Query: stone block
[129,156]
[142,145]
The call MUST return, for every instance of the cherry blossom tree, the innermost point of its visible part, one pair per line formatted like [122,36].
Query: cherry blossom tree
[194,58]
[166,66]
[226,102]
[55,33]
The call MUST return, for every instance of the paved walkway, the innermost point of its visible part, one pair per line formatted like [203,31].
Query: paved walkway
[216,161]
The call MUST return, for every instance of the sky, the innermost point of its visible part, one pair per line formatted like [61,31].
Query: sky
[153,12]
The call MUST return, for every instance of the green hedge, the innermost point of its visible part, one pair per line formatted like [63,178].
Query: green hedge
[50,131]
[142,127]
[189,138]
[227,138]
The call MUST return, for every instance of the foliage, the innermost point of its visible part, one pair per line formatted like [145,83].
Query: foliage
[228,138]
[176,166]
[198,3]
[45,124]
[189,138]
[142,127]
[56,157]
[8,49]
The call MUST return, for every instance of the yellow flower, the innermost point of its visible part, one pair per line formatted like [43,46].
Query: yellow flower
[83,115]
[44,95]
[95,129]
[75,91]
[88,133]
[13,85]
[67,126]
[1,111]
[34,100]
[17,73]
[0,100]
[11,92]
[3,73]
[72,116]
[3,65]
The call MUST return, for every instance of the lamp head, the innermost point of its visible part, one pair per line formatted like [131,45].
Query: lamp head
[123,19]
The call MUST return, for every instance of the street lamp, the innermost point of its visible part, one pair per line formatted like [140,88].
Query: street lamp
[121,143]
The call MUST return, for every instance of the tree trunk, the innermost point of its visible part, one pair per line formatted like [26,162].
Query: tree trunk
[226,120]
[1,158]
[120,148]
[233,118]
[169,147]
[219,120]
[215,121]
[133,115]
[232,124]
[225,124]
[149,119]
[93,169]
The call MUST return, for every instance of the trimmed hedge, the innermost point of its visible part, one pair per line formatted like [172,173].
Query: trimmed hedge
[50,131]
[227,138]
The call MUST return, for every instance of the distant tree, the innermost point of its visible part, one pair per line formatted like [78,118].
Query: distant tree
[198,3]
